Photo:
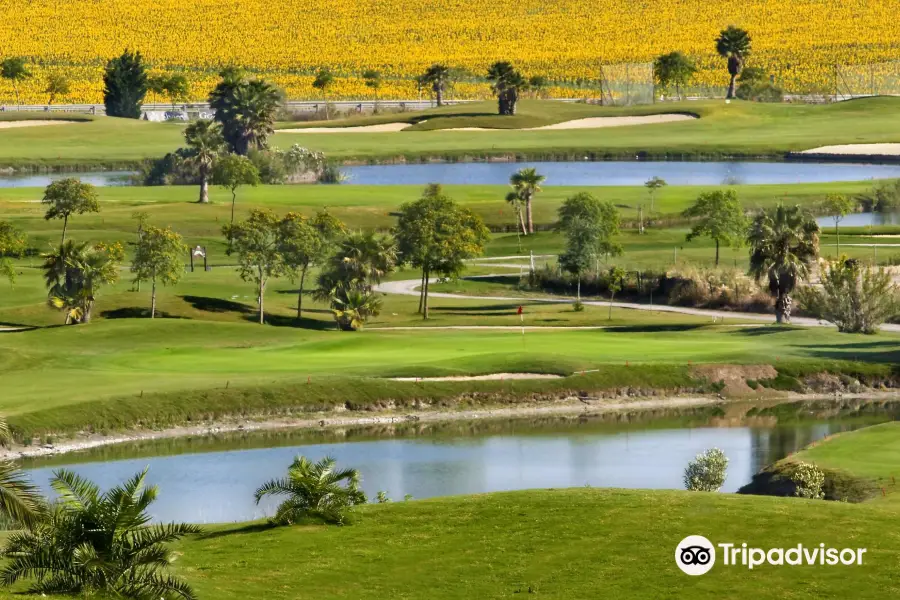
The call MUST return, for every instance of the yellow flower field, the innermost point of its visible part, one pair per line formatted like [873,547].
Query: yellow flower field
[800,41]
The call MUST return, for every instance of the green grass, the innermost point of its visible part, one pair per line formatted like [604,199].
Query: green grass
[563,544]
[736,129]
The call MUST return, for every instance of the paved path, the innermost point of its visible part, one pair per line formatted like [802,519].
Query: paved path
[408,288]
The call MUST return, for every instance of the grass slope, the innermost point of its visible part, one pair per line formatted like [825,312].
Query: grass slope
[736,129]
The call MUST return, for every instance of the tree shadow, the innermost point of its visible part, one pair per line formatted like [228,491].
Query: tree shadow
[764,330]
[217,305]
[137,312]
[285,321]
[653,328]
[855,351]
[240,530]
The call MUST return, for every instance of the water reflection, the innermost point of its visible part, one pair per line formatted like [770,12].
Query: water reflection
[215,484]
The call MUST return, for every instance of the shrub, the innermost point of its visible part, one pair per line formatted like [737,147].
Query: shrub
[706,473]
[381,497]
[857,299]
[809,480]
[578,306]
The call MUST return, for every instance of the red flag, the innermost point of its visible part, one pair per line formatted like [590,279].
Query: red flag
[519,311]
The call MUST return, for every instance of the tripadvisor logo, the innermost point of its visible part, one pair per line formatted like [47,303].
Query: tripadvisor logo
[696,555]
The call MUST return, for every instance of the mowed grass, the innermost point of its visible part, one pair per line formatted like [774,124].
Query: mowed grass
[562,544]
[872,453]
[737,129]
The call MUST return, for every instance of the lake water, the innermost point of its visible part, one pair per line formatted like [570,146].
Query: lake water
[861,220]
[98,178]
[213,479]
[610,173]
[615,173]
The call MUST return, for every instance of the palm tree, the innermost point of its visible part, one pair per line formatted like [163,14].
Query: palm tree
[364,258]
[734,44]
[784,242]
[246,110]
[527,183]
[205,140]
[74,273]
[507,83]
[316,491]
[20,500]
[352,307]
[515,200]
[438,76]
[98,542]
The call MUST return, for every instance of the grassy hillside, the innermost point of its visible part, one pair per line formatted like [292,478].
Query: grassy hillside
[736,129]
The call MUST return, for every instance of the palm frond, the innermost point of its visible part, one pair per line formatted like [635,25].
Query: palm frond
[20,500]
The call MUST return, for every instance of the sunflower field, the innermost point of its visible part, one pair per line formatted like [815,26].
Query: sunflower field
[802,43]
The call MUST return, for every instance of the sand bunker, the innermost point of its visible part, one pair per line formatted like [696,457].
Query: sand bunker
[858,150]
[596,123]
[35,123]
[383,128]
[490,377]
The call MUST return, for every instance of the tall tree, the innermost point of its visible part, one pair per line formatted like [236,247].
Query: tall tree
[68,197]
[507,83]
[98,543]
[537,85]
[373,81]
[174,87]
[58,86]
[718,216]
[12,245]
[158,258]
[233,171]
[256,243]
[437,235]
[515,200]
[581,250]
[673,70]
[838,206]
[14,70]
[784,243]
[439,77]
[125,85]
[733,44]
[601,217]
[315,491]
[527,182]
[246,110]
[205,141]
[322,82]
[74,274]
[653,185]
[305,243]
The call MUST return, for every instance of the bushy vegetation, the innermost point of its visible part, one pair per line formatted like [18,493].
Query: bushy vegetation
[706,473]
[809,480]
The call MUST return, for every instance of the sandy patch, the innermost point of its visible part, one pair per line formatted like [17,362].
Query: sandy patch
[383,128]
[489,377]
[35,123]
[595,123]
[734,378]
[858,150]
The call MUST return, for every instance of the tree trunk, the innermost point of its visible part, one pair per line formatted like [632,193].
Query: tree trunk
[512,101]
[783,308]
[578,293]
[422,292]
[86,314]
[262,291]
[522,221]
[65,226]
[204,189]
[528,214]
[730,94]
[16,88]
[717,252]
[230,233]
[425,300]
[300,294]
[439,94]
[153,299]
[837,234]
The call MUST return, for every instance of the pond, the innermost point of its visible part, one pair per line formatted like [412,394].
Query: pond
[611,173]
[864,219]
[622,173]
[212,479]
[98,178]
